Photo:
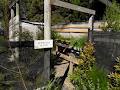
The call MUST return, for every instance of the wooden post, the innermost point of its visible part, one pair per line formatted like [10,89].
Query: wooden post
[17,27]
[12,13]
[70,68]
[47,36]
[14,29]
[91,27]
[11,25]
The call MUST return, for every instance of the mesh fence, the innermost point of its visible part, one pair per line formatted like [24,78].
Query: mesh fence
[107,46]
[26,71]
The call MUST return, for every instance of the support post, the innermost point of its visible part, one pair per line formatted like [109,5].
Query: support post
[11,25]
[17,27]
[47,36]
[17,22]
[71,68]
[14,29]
[12,13]
[91,28]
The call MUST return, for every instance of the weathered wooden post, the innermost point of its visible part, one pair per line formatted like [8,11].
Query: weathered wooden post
[14,28]
[47,36]
[12,13]
[91,27]
[17,27]
[71,68]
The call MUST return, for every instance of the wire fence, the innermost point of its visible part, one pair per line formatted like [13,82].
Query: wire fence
[107,46]
[23,73]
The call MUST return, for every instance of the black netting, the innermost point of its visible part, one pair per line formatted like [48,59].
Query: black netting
[107,45]
[30,63]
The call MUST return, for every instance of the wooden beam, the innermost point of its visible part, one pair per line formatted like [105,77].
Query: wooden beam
[47,36]
[47,20]
[68,85]
[68,58]
[72,6]
[72,30]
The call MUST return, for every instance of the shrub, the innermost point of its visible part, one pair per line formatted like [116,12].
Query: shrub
[112,17]
[94,79]
[87,56]
[115,77]
[78,42]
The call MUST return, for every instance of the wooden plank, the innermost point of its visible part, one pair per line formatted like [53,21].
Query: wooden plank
[76,27]
[68,85]
[72,30]
[68,58]
[72,6]
[61,68]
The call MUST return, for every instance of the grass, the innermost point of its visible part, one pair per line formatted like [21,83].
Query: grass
[94,79]
[78,42]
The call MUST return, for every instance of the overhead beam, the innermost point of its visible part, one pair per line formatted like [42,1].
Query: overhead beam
[72,6]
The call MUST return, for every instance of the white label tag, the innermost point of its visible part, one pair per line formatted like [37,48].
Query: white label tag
[39,44]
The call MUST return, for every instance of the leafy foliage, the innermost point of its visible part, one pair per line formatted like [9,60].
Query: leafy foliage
[5,16]
[33,9]
[115,77]
[94,79]
[87,56]
[112,17]
[78,42]
[86,76]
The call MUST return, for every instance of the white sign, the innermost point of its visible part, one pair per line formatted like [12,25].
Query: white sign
[39,44]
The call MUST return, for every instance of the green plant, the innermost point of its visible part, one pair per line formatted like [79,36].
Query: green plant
[112,17]
[87,56]
[94,79]
[52,86]
[115,77]
[87,76]
[78,42]
[55,35]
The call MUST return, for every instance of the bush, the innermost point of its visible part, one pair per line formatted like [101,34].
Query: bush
[94,79]
[112,17]
[78,42]
[115,77]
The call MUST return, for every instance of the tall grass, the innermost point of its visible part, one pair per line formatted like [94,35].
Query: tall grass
[94,79]
[78,42]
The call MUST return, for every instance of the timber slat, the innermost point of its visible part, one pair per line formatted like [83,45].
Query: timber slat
[68,58]
[72,6]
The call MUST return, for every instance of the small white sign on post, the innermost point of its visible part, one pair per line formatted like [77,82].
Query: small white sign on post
[39,44]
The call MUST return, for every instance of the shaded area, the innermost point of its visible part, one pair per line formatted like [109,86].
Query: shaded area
[31,65]
[107,46]
[61,69]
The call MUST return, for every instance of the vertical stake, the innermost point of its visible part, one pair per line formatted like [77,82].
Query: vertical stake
[47,36]
[91,27]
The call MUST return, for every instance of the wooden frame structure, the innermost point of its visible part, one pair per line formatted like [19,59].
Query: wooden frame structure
[47,25]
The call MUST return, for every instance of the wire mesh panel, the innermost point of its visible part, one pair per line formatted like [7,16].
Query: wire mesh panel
[107,46]
[25,72]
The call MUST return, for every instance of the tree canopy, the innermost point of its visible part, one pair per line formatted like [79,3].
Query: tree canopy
[34,11]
